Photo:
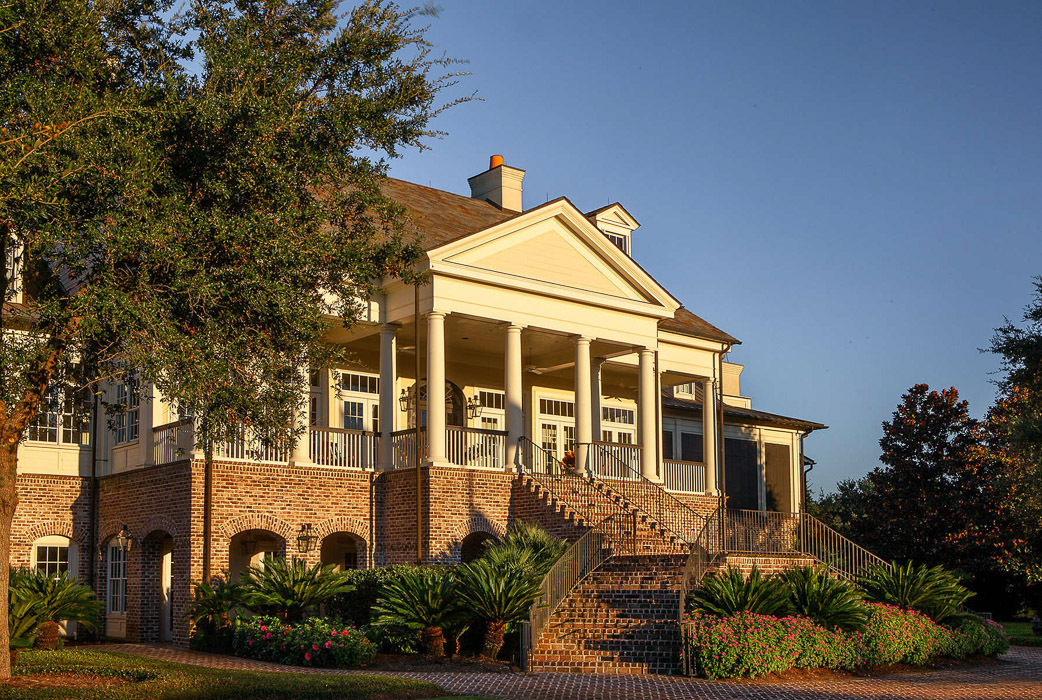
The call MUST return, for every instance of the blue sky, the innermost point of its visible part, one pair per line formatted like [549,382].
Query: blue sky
[853,189]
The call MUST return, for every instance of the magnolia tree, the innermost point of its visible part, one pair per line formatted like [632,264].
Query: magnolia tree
[191,200]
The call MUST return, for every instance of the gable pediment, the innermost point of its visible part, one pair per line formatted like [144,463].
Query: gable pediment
[553,248]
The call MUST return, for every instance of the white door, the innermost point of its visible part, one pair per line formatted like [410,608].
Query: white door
[166,608]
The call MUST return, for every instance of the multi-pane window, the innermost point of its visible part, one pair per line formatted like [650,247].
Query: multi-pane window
[128,420]
[555,407]
[354,415]
[52,559]
[64,417]
[492,412]
[491,399]
[117,591]
[618,424]
[613,414]
[621,242]
[363,383]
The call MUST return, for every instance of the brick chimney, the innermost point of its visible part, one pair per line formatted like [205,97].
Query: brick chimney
[500,184]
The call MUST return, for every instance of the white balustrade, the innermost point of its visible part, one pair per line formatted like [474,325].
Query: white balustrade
[341,447]
[685,477]
[403,447]
[173,442]
[475,447]
[615,460]
[248,448]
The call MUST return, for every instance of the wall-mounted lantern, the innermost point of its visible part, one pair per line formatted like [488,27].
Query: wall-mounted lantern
[307,540]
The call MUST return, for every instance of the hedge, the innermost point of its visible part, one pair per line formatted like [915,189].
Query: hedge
[750,645]
[312,642]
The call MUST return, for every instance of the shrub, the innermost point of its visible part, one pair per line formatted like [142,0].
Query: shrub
[729,592]
[421,602]
[35,597]
[526,546]
[932,591]
[356,606]
[497,596]
[210,614]
[291,589]
[311,642]
[748,644]
[829,601]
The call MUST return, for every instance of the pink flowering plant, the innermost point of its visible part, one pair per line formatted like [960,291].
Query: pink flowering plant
[310,642]
[748,644]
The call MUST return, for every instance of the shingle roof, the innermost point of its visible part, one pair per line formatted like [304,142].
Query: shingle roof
[689,324]
[438,217]
[742,414]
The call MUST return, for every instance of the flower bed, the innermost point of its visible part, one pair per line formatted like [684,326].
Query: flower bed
[750,645]
[312,642]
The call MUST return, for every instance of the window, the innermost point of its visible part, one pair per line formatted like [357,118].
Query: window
[52,559]
[363,383]
[117,592]
[667,444]
[621,242]
[491,399]
[611,414]
[617,424]
[64,417]
[691,447]
[128,399]
[684,389]
[354,415]
[554,407]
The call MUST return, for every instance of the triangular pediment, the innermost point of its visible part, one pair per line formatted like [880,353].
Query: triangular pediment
[554,246]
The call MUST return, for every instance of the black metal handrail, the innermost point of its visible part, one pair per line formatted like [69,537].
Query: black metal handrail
[668,511]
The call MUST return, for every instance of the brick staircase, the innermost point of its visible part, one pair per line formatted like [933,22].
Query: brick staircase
[620,619]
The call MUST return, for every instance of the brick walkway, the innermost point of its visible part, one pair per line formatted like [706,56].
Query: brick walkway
[1017,677]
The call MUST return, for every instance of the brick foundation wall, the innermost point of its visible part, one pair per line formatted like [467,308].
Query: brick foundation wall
[51,505]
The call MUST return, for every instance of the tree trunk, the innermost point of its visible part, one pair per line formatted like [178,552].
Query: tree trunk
[432,641]
[8,503]
[493,639]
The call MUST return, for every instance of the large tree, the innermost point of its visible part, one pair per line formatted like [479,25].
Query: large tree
[914,497]
[192,201]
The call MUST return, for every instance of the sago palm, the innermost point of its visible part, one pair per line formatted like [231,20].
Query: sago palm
[526,546]
[422,601]
[729,592]
[497,596]
[213,603]
[50,598]
[931,590]
[290,589]
[831,602]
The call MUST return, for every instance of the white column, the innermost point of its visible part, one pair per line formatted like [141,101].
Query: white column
[147,406]
[513,394]
[595,397]
[583,401]
[436,387]
[648,416]
[388,400]
[709,437]
[302,446]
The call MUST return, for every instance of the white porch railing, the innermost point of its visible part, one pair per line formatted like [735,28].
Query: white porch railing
[248,448]
[685,477]
[173,441]
[403,447]
[475,447]
[341,447]
[613,458]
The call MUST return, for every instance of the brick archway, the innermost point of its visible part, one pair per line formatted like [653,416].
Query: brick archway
[254,521]
[342,523]
[161,523]
[58,527]
[477,522]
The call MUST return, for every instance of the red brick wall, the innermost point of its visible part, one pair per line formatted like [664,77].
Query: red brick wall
[50,505]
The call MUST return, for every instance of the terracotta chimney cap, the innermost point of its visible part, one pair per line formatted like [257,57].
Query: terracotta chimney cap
[495,162]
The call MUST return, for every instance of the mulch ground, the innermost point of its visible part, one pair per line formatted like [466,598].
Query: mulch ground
[63,680]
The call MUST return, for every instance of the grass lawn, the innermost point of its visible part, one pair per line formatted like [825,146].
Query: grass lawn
[81,674]
[1020,634]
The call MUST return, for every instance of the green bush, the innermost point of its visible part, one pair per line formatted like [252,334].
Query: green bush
[421,602]
[291,589]
[35,597]
[310,642]
[210,615]
[828,601]
[748,645]
[932,591]
[356,607]
[526,546]
[496,596]
[729,592]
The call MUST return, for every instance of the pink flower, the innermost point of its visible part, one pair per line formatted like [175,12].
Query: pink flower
[264,628]
[362,665]
[329,644]
[307,656]
[251,642]
[314,647]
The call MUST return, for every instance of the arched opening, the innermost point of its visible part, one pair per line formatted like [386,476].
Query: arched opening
[344,550]
[157,609]
[455,406]
[251,548]
[54,554]
[473,546]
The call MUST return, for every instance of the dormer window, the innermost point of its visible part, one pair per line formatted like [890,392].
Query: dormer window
[621,242]
[615,223]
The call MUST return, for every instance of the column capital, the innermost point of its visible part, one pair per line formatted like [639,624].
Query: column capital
[390,327]
[436,314]
[582,340]
[513,327]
